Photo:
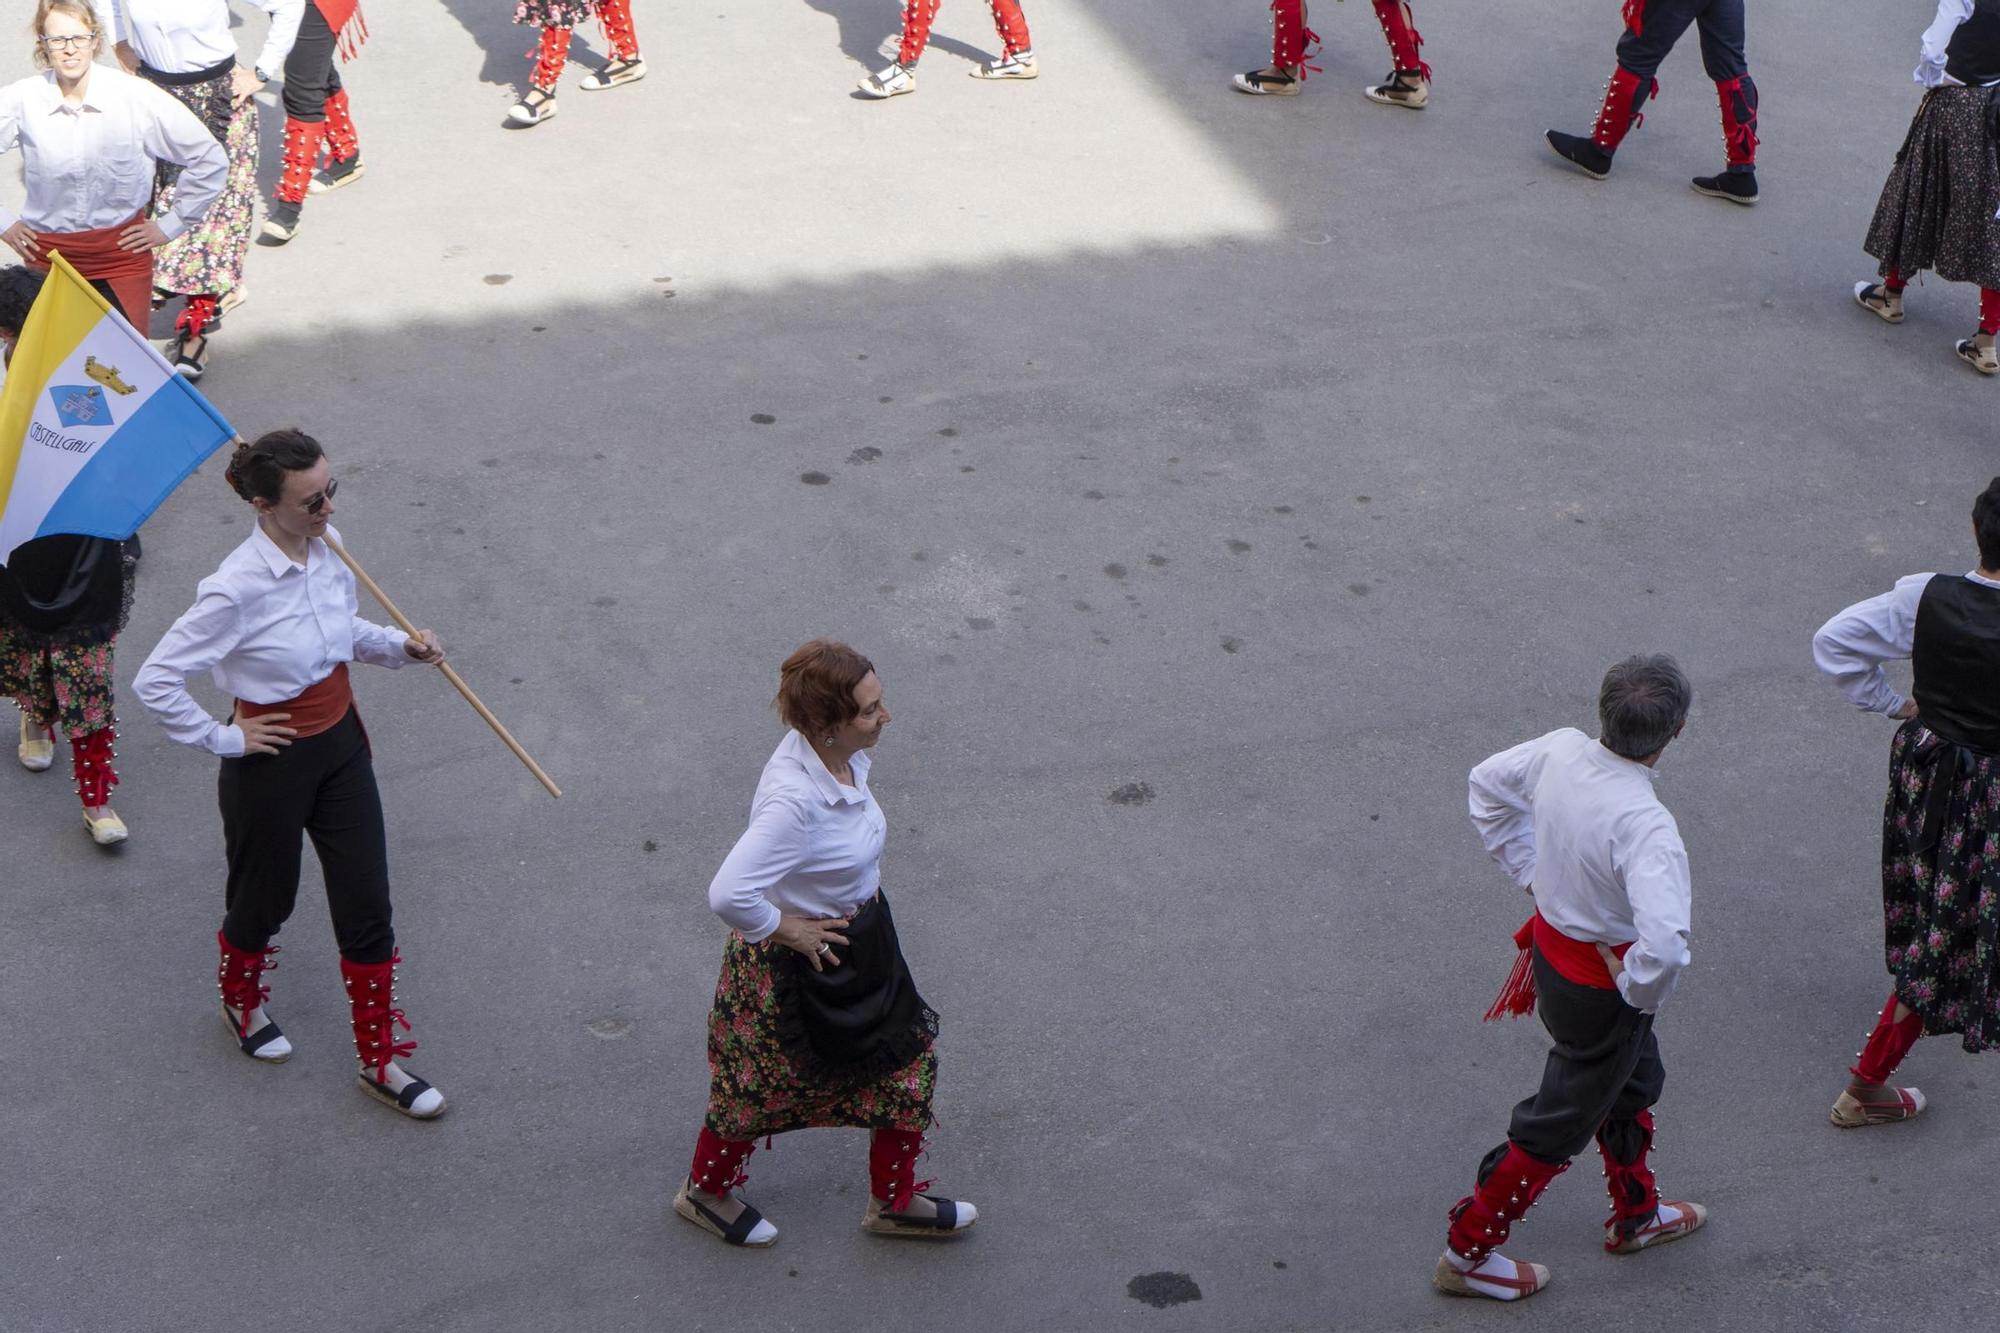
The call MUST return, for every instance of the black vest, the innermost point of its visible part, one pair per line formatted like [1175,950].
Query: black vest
[1972,56]
[1955,655]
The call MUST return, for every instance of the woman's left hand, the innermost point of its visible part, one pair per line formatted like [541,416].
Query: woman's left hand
[243,85]
[145,234]
[423,646]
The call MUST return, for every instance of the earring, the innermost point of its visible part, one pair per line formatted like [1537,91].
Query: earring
[827,742]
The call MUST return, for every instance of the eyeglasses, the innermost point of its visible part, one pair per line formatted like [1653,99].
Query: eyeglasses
[318,502]
[68,43]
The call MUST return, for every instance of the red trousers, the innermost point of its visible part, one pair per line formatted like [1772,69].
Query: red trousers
[1008,21]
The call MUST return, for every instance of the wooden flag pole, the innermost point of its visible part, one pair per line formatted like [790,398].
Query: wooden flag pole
[375,590]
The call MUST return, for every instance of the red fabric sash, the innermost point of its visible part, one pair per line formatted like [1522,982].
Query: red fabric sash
[344,17]
[1635,15]
[1574,960]
[317,710]
[95,254]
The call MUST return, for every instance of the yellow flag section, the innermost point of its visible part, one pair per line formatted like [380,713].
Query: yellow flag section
[96,430]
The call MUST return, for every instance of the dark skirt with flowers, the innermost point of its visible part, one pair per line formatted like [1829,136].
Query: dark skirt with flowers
[1936,211]
[553,13]
[1941,883]
[756,1088]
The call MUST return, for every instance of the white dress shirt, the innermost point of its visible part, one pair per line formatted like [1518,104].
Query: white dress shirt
[1931,56]
[181,36]
[1851,648]
[1582,828]
[267,629]
[813,848]
[91,165]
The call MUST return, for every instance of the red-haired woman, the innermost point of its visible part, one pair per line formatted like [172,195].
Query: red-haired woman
[816,1020]
[556,18]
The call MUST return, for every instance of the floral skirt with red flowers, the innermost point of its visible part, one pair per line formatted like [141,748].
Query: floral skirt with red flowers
[756,1089]
[1941,884]
[67,686]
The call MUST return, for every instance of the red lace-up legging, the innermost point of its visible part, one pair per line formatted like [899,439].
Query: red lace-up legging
[615,16]
[1008,21]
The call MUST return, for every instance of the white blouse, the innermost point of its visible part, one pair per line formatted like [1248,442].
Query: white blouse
[1582,826]
[813,848]
[181,36]
[267,629]
[91,165]
[1851,647]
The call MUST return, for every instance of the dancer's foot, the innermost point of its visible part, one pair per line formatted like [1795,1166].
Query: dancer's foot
[537,106]
[404,1091]
[1495,1277]
[189,356]
[1581,153]
[1865,1104]
[1978,352]
[1738,185]
[926,1218]
[265,1041]
[1878,300]
[281,221]
[1404,88]
[612,75]
[893,81]
[726,1215]
[37,749]
[105,826]
[1271,81]
[1020,65]
[337,172]
[1673,1219]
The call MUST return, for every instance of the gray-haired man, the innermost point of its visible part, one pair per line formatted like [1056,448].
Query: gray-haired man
[1575,822]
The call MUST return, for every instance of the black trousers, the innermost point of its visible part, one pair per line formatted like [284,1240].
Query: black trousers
[1663,22]
[310,75]
[322,787]
[1603,1070]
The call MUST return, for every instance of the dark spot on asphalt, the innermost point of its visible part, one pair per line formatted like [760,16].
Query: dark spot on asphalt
[1101,639]
[1174,459]
[1093,495]
[885,588]
[489,462]
[662,279]
[1132,793]
[670,293]
[761,418]
[1231,645]
[1157,561]
[1115,570]
[885,398]
[419,504]
[1373,818]
[1361,499]
[918,555]
[861,356]
[497,279]
[793,1272]
[604,601]
[1277,1263]
[1358,589]
[650,845]
[867,453]
[966,467]
[538,328]
[1649,592]
[1874,1179]
[1237,547]
[1576,518]
[513,680]
[1311,545]
[1081,605]
[814,478]
[598,457]
[944,659]
[1160,1290]
[1281,509]
[1132,598]
[978,622]
[949,432]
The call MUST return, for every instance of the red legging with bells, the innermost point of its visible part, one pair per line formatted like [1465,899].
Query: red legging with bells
[616,18]
[1008,21]
[1292,41]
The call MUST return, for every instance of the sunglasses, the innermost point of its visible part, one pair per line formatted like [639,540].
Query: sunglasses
[318,502]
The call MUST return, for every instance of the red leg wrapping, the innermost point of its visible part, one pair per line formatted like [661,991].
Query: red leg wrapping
[1292,42]
[1890,1041]
[550,56]
[1405,42]
[341,141]
[1623,97]
[371,996]
[198,315]
[1628,1177]
[1635,15]
[239,977]
[1739,119]
[1012,25]
[1894,281]
[917,16]
[718,1162]
[302,141]
[892,1166]
[616,18]
[1989,310]
[1509,1182]
[90,755]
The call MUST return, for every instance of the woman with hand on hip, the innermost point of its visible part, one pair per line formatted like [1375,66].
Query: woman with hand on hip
[276,626]
[816,1020]
[92,138]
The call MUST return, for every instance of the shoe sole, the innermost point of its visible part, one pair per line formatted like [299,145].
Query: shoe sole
[605,87]
[388,1099]
[1290,90]
[1724,194]
[339,182]
[277,235]
[514,122]
[1381,100]
[890,1229]
[1452,1283]
[685,1207]
[875,95]
[985,77]
[1577,166]
[40,765]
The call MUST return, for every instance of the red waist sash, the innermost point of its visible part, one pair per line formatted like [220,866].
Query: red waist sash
[317,710]
[1574,960]
[96,254]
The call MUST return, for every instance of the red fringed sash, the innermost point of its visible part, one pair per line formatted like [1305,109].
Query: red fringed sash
[344,17]
[1574,960]
[1635,15]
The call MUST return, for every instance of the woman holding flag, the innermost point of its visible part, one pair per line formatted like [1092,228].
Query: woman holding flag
[276,626]
[91,139]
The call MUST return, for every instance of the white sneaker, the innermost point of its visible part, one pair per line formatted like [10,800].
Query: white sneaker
[893,81]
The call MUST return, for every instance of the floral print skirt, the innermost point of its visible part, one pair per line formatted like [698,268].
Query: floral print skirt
[207,259]
[66,685]
[1939,908]
[1936,211]
[755,1089]
[553,13]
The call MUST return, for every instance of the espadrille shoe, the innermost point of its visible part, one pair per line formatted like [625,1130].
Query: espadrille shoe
[893,81]
[1978,352]
[614,75]
[1496,1277]
[1687,1218]
[729,1216]
[404,1092]
[1020,65]
[927,1218]
[1272,82]
[1404,87]
[1865,1104]
[535,106]
[1878,300]
[267,1043]
[37,749]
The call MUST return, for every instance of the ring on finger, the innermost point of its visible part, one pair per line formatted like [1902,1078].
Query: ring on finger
[824,947]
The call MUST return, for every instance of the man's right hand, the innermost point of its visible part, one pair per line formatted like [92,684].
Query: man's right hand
[266,733]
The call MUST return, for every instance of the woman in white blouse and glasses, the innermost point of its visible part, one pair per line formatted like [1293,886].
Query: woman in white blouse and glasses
[275,625]
[816,1020]
[91,138]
